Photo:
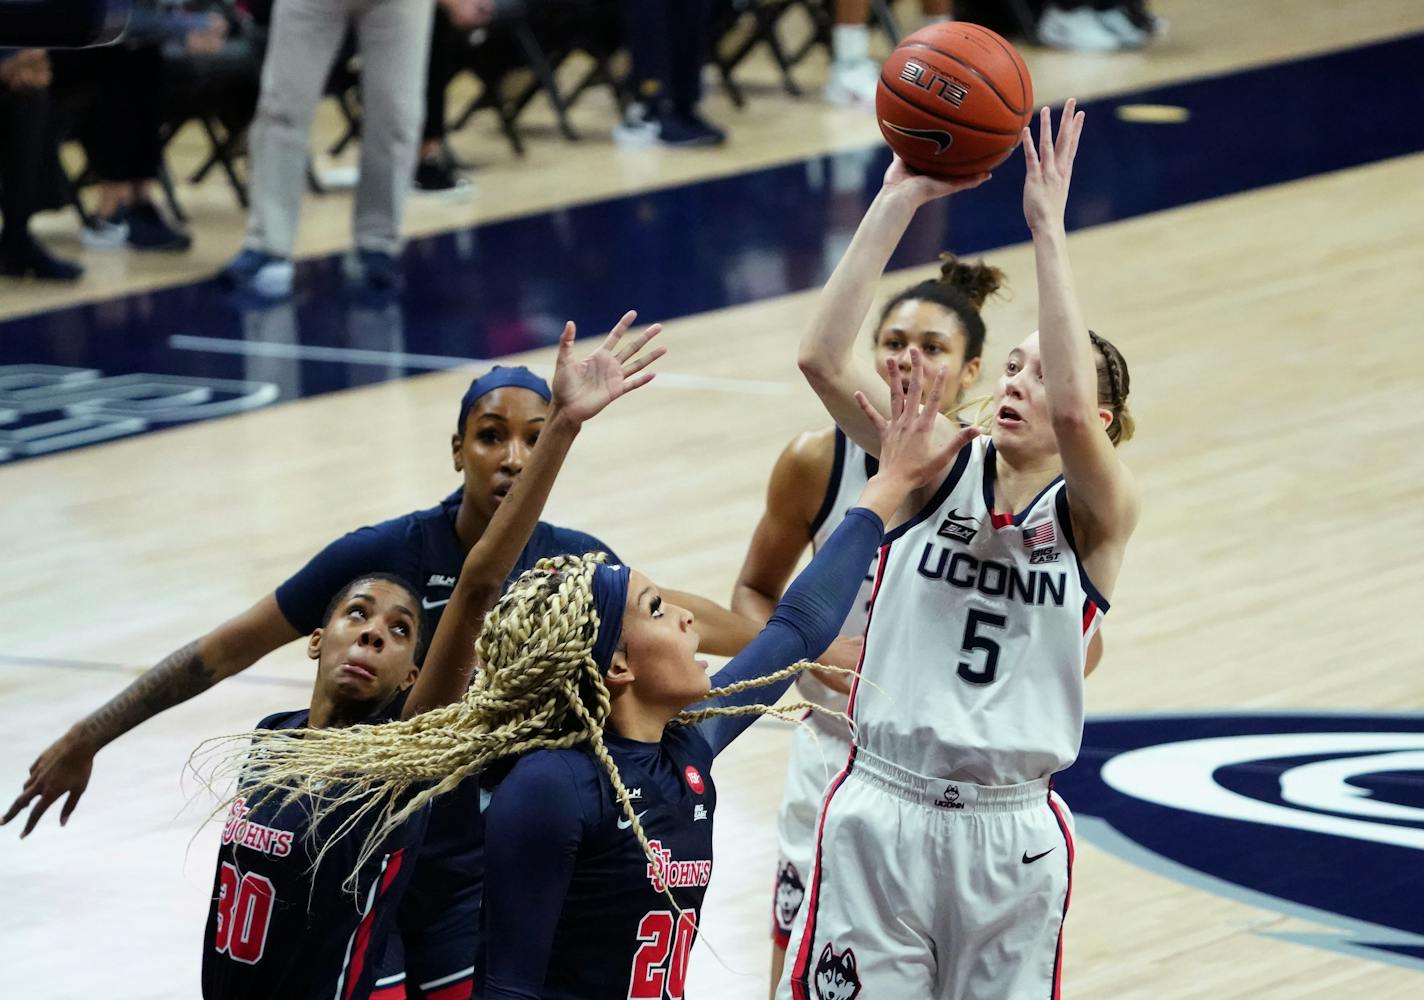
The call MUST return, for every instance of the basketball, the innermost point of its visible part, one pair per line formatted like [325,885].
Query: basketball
[952,98]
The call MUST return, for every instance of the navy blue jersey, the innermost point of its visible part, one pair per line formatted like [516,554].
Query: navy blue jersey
[421,547]
[573,908]
[276,928]
[617,934]
[440,913]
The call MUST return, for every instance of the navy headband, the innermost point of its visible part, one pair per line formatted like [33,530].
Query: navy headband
[610,597]
[500,377]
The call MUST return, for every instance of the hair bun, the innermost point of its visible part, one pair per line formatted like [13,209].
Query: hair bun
[976,281]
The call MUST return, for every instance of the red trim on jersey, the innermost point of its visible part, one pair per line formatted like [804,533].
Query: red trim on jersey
[883,558]
[1001,520]
[463,990]
[363,932]
[800,970]
[1067,895]
[1090,610]
[393,992]
[779,937]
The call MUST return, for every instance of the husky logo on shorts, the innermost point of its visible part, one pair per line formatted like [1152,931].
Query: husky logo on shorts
[1324,815]
[949,799]
[836,978]
[790,891]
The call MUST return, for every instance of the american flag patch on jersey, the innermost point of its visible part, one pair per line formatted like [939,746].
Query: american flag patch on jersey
[1039,535]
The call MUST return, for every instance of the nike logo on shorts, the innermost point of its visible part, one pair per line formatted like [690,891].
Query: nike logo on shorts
[1029,859]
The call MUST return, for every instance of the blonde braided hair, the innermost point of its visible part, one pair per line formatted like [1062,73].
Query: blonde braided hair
[537,687]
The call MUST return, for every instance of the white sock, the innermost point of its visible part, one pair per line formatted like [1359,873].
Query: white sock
[850,43]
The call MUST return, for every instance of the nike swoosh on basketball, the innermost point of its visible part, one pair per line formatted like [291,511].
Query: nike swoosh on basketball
[626,823]
[940,138]
[427,603]
[1029,859]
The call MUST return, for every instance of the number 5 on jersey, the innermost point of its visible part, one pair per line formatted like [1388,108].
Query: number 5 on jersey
[976,639]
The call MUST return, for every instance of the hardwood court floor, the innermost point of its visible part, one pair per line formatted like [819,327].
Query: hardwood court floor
[1276,366]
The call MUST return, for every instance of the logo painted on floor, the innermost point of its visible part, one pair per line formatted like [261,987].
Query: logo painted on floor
[1315,815]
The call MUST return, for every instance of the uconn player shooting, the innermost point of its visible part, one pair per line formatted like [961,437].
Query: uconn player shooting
[815,480]
[599,825]
[943,861]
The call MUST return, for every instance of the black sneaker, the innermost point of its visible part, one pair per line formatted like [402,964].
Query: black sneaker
[148,231]
[688,128]
[29,258]
[439,177]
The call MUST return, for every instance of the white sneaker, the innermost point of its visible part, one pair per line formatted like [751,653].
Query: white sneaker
[1133,32]
[105,234]
[1078,30]
[852,85]
[638,129]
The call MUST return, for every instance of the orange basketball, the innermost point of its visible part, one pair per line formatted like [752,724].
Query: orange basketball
[952,99]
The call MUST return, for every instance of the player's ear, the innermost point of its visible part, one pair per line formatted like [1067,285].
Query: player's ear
[314,645]
[969,374]
[410,678]
[455,441]
[620,674]
[1106,416]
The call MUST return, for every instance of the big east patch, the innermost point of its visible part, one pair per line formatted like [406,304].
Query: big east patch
[1319,816]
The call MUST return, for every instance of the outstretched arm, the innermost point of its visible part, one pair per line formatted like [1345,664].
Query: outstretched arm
[580,391]
[1101,494]
[64,768]
[826,356]
[807,617]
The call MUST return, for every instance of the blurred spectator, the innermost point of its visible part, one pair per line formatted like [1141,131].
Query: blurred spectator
[668,43]
[1098,25]
[116,96]
[854,74]
[26,162]
[450,38]
[394,43]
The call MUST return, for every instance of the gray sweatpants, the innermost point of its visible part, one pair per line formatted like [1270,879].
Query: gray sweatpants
[393,38]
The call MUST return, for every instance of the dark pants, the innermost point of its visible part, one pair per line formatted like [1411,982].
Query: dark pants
[115,94]
[667,40]
[446,45]
[25,153]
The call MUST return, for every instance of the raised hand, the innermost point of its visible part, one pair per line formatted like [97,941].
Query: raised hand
[908,452]
[924,188]
[1050,166]
[583,388]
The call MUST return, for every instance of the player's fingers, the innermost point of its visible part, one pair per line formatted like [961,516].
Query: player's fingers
[917,381]
[1045,136]
[638,364]
[26,795]
[638,381]
[41,807]
[621,327]
[897,391]
[69,803]
[937,383]
[1076,133]
[1030,153]
[638,342]
[871,413]
[1065,127]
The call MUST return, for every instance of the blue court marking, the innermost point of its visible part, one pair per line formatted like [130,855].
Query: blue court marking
[84,374]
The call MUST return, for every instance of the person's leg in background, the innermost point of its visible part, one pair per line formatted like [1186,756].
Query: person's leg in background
[853,74]
[304,38]
[667,43]
[394,41]
[435,172]
[25,153]
[121,91]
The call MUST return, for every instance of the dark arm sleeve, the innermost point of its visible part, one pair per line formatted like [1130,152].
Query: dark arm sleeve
[533,827]
[303,597]
[804,623]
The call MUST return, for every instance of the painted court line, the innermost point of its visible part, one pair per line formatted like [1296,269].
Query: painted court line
[437,362]
[97,666]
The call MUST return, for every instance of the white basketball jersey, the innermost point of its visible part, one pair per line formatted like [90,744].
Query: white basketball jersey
[852,469]
[978,633]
